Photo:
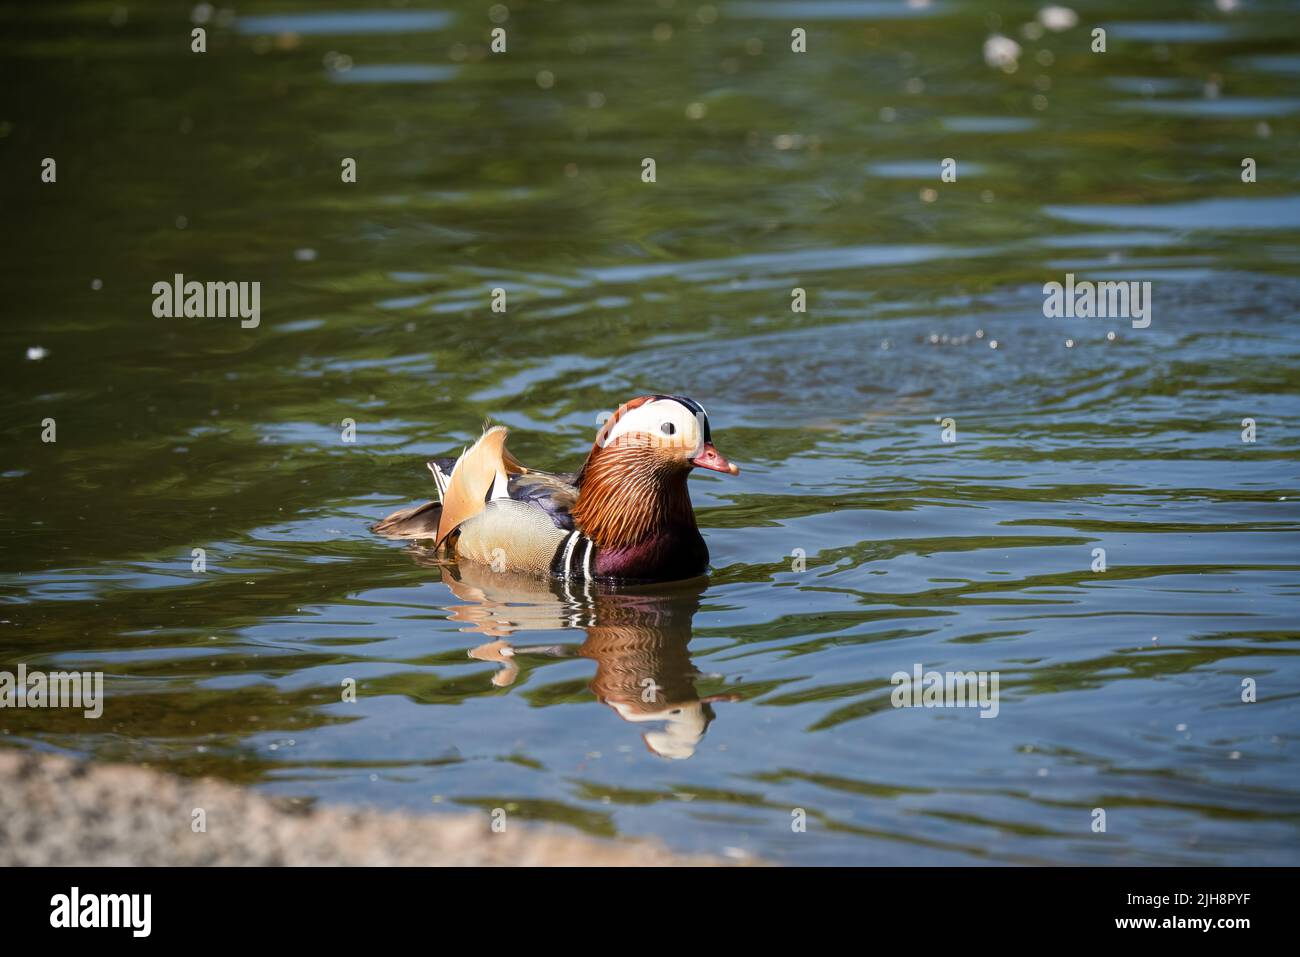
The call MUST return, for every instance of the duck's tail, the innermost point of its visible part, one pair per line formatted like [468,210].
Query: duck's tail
[420,522]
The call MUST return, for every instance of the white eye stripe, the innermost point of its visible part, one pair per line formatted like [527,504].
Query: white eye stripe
[646,426]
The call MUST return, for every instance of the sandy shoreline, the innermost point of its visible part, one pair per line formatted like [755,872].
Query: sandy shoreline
[56,811]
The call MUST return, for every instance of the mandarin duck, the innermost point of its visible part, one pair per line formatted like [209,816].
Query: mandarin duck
[624,516]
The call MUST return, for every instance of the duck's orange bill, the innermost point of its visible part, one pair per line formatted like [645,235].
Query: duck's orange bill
[711,458]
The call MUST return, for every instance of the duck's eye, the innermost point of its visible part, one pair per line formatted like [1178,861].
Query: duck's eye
[667,428]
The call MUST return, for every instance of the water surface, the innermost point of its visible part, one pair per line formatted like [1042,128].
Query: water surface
[1119,689]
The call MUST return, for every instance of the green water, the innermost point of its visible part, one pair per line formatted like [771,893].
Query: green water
[1119,689]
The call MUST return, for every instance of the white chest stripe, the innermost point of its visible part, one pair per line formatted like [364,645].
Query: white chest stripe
[570,565]
[568,553]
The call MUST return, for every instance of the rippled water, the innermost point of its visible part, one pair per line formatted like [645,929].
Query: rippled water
[1119,689]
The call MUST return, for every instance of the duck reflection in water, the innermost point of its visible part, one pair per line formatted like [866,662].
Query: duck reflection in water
[637,636]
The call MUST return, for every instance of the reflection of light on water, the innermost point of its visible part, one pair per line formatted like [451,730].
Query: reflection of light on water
[832,9]
[920,169]
[1214,105]
[988,124]
[395,73]
[1268,212]
[346,23]
[1173,31]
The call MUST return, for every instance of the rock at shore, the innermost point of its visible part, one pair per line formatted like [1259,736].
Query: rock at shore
[55,811]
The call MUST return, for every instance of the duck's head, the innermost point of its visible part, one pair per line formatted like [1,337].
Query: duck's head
[632,488]
[665,433]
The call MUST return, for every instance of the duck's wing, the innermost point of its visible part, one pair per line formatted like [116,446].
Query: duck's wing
[553,494]
[485,473]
